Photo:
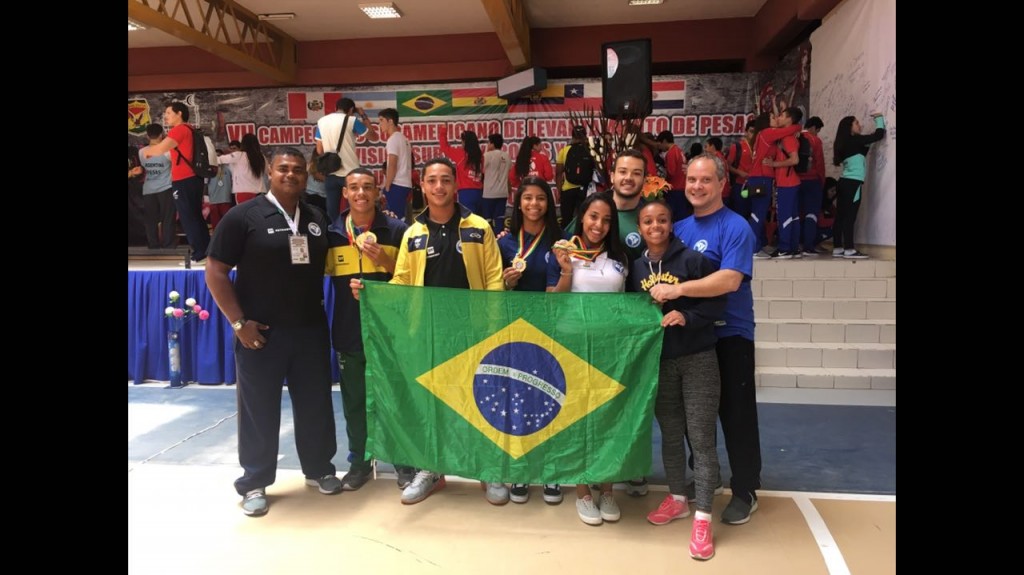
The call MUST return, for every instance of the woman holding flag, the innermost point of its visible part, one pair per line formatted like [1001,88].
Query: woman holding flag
[526,249]
[525,256]
[592,261]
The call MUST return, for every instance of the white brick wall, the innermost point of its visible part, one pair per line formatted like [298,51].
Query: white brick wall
[826,324]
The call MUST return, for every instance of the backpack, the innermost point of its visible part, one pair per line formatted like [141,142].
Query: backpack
[201,163]
[579,165]
[803,153]
[737,154]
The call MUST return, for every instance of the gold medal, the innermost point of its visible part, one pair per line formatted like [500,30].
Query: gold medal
[562,245]
[519,264]
[365,237]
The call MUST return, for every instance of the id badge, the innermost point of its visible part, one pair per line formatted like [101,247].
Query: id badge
[299,248]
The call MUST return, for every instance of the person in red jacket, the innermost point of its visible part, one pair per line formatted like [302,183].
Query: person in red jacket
[739,158]
[787,183]
[470,162]
[812,183]
[530,161]
[675,171]
[761,178]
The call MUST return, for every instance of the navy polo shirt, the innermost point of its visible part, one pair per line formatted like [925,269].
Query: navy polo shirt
[253,236]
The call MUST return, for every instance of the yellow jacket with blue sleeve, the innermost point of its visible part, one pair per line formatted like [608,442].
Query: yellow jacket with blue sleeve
[479,251]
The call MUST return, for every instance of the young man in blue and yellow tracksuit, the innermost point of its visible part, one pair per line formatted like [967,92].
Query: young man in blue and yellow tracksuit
[353,255]
[447,246]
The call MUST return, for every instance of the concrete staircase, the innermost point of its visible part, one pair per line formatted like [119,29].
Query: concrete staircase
[825,323]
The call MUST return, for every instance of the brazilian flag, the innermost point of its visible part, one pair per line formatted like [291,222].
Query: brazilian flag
[417,103]
[511,386]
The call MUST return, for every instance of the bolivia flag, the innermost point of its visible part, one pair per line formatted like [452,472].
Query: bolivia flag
[478,101]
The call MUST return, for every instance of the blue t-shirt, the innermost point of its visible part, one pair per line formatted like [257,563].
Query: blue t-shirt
[535,276]
[725,238]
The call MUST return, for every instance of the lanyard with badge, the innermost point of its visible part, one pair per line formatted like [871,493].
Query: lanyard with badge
[298,244]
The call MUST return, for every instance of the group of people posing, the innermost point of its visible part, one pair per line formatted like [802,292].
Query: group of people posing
[698,269]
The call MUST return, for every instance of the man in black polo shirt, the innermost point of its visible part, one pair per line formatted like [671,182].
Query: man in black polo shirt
[363,244]
[446,246]
[275,306]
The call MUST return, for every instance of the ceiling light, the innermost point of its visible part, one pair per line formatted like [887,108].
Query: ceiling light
[132,26]
[644,2]
[277,16]
[381,10]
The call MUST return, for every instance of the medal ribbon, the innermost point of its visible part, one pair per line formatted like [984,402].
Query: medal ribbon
[582,251]
[532,246]
[350,229]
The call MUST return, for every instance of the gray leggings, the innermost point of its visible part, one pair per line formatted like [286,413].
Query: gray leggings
[689,388]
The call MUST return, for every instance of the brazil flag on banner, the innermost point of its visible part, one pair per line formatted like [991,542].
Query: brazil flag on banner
[511,386]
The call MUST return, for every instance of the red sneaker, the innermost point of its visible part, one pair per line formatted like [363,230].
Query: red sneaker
[701,545]
[669,509]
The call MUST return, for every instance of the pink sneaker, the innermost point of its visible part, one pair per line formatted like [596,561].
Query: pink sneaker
[669,509]
[701,545]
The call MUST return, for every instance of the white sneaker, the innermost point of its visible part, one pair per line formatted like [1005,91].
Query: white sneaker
[425,483]
[609,508]
[496,493]
[588,511]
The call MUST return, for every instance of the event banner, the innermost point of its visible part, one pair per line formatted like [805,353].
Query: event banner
[511,386]
[692,107]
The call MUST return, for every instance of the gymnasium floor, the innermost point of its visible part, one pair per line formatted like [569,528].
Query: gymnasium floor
[828,503]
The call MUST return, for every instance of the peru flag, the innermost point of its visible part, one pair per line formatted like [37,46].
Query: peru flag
[311,106]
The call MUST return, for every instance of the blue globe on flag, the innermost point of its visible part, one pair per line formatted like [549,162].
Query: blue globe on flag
[519,388]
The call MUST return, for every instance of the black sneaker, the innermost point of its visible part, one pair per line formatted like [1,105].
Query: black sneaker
[854,255]
[552,493]
[636,487]
[405,475]
[519,493]
[781,255]
[356,478]
[738,511]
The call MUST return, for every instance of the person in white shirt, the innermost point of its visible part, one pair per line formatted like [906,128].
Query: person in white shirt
[497,163]
[327,135]
[397,186]
[595,261]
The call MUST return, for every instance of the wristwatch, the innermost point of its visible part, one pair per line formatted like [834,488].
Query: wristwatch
[238,324]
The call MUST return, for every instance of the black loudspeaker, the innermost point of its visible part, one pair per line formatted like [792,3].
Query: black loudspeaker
[626,78]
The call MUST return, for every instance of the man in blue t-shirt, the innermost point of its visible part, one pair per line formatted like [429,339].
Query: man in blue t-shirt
[725,238]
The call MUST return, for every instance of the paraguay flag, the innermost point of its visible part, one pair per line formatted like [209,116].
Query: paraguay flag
[311,106]
[669,95]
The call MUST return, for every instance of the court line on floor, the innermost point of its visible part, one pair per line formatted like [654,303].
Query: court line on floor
[834,560]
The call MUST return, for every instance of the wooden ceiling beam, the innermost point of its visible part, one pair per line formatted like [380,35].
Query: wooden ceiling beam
[250,43]
[510,24]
